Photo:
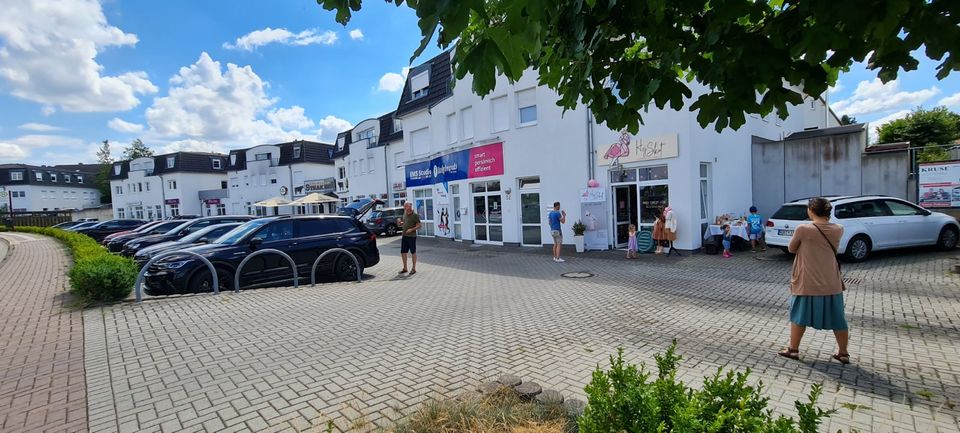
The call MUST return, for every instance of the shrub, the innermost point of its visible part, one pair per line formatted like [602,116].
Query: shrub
[626,399]
[97,275]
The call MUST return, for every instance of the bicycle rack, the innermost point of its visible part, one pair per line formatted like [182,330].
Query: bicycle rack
[313,270]
[213,271]
[236,279]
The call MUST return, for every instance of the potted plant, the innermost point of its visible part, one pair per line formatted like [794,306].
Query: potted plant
[578,229]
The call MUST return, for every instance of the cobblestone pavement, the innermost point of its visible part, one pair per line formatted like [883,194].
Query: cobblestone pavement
[42,384]
[290,359]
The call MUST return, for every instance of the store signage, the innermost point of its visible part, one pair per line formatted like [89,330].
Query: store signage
[398,186]
[939,184]
[634,149]
[172,201]
[212,201]
[593,195]
[319,185]
[481,161]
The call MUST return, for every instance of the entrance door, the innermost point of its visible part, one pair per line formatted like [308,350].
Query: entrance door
[530,224]
[488,212]
[455,212]
[624,211]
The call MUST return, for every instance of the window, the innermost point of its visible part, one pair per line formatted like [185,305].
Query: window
[397,125]
[365,134]
[223,184]
[658,172]
[499,115]
[171,161]
[272,181]
[66,178]
[116,169]
[53,177]
[129,187]
[38,175]
[370,164]
[79,179]
[420,141]
[16,194]
[148,185]
[277,231]
[16,175]
[171,184]
[451,128]
[340,142]
[813,103]
[704,191]
[121,213]
[901,209]
[527,106]
[317,227]
[221,209]
[139,187]
[174,209]
[119,189]
[342,172]
[296,152]
[262,156]
[420,85]
[466,123]
[233,159]
[217,164]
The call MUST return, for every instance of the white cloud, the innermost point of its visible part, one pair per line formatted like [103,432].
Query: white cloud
[26,145]
[875,96]
[876,124]
[120,125]
[193,146]
[951,101]
[356,34]
[833,90]
[293,118]
[48,110]
[330,126]
[259,38]
[11,152]
[40,127]
[48,55]
[392,81]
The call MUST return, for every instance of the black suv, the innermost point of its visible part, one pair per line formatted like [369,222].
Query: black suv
[115,245]
[384,221]
[302,237]
[101,230]
[189,226]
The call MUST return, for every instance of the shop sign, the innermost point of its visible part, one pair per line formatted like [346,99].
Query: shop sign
[212,201]
[318,185]
[593,195]
[939,184]
[398,186]
[635,149]
[172,201]
[480,161]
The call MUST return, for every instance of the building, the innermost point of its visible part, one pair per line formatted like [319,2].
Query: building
[34,188]
[486,169]
[287,170]
[158,187]
[366,161]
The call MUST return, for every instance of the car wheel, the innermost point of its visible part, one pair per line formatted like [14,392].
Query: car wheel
[202,282]
[948,239]
[346,269]
[857,249]
[392,230]
[786,251]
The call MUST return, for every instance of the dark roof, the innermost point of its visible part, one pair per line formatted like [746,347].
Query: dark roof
[63,173]
[192,162]
[823,132]
[387,134]
[887,147]
[347,139]
[441,79]
[310,152]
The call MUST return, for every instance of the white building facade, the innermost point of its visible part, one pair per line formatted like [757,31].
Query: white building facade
[287,171]
[366,161]
[164,186]
[49,188]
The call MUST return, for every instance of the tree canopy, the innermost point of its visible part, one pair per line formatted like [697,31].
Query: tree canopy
[930,129]
[136,149]
[103,175]
[621,57]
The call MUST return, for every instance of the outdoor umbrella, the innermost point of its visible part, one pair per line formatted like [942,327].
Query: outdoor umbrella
[314,198]
[273,202]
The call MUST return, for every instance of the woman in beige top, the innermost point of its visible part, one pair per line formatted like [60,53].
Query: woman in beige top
[815,287]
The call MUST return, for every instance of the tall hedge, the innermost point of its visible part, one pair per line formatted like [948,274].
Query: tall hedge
[97,275]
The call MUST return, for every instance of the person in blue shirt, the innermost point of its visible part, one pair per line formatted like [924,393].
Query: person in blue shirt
[755,223]
[556,218]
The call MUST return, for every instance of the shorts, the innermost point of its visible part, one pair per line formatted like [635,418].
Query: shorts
[726,245]
[408,244]
[754,236]
[557,236]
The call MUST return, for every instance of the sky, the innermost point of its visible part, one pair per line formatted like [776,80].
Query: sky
[215,75]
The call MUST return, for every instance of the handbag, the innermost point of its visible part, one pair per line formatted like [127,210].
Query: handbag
[842,285]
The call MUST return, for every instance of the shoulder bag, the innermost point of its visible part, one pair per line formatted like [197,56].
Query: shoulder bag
[834,249]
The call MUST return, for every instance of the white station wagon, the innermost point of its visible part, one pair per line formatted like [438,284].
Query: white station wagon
[870,223]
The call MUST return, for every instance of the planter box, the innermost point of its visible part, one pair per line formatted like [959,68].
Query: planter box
[578,242]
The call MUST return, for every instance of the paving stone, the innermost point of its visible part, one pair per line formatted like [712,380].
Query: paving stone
[510,380]
[549,396]
[490,387]
[528,390]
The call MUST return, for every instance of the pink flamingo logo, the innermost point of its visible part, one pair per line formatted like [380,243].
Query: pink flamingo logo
[618,150]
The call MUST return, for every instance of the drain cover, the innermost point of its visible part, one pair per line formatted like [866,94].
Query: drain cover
[576,275]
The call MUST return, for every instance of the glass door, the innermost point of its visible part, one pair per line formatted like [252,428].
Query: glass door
[487,212]
[480,218]
[457,223]
[530,224]
[625,211]
[653,199]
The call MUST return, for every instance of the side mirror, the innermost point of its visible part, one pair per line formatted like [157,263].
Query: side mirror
[255,242]
[202,241]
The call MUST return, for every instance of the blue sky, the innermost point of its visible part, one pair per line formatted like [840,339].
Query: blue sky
[215,75]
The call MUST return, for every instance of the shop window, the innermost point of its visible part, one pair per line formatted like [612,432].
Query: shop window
[626,175]
[174,210]
[658,172]
[423,203]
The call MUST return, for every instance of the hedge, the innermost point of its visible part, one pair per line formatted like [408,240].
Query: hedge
[97,275]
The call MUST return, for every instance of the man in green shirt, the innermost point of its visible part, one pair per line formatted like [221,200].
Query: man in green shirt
[408,242]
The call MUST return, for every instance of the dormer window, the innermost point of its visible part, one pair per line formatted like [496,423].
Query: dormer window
[296,152]
[397,125]
[262,156]
[79,179]
[233,159]
[340,143]
[66,178]
[116,169]
[38,175]
[217,164]
[53,177]
[171,161]
[16,175]
[419,85]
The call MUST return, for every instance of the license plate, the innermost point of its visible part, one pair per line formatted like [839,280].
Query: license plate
[784,232]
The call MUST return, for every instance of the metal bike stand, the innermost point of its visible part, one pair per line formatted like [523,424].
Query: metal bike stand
[236,279]
[313,270]
[213,271]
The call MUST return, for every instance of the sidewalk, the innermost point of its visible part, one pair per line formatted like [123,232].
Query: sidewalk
[42,384]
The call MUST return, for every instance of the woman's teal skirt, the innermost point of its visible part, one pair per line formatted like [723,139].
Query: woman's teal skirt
[818,312]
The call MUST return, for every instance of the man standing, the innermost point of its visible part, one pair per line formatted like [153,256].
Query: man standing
[410,223]
[557,217]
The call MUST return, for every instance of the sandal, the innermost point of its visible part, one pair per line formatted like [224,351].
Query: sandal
[402,271]
[844,358]
[787,352]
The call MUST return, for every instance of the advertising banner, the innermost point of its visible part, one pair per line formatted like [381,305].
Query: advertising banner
[593,214]
[939,184]
[172,201]
[636,149]
[480,161]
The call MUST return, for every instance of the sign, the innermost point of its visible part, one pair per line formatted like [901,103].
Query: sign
[480,161]
[593,195]
[172,201]
[629,149]
[212,201]
[398,186]
[317,185]
[284,190]
[939,184]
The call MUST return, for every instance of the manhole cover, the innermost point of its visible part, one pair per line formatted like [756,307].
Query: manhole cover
[576,275]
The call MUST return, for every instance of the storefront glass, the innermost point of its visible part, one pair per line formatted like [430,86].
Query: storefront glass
[487,211]
[423,203]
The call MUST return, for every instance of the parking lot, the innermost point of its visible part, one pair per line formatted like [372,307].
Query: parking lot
[363,354]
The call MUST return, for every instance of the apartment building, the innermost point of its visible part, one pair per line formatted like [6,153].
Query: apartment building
[33,188]
[366,161]
[157,187]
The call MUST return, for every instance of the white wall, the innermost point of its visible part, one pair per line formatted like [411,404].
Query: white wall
[366,168]
[265,179]
[48,197]
[157,189]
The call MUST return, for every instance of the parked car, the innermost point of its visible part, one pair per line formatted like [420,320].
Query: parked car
[870,223]
[185,228]
[303,237]
[205,235]
[82,225]
[116,244]
[99,231]
[144,227]
[384,221]
[358,208]
[66,225]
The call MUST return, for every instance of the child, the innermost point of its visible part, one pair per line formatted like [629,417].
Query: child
[632,243]
[727,239]
[756,229]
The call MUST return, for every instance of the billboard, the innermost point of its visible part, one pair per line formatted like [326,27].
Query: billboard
[939,184]
[635,149]
[480,161]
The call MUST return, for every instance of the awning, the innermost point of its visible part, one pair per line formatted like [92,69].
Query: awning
[314,198]
[273,202]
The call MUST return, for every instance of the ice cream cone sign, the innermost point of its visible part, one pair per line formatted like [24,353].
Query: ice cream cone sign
[620,149]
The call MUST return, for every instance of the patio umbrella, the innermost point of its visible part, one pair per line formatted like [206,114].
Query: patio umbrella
[314,198]
[273,202]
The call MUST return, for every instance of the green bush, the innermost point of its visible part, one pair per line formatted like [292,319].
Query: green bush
[625,399]
[97,275]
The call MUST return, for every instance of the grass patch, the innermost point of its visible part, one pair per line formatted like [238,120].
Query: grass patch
[501,412]
[908,326]
[926,394]
[855,407]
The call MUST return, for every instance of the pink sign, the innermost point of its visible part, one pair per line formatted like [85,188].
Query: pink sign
[486,160]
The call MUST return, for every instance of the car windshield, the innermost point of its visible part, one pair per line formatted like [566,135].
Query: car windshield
[792,212]
[234,236]
[176,229]
[195,236]
[377,214]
